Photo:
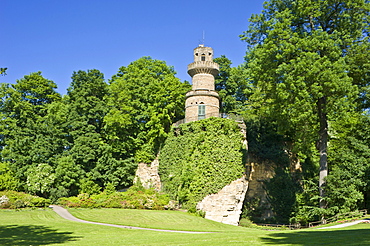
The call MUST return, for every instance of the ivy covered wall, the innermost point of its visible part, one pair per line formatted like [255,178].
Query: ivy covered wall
[200,158]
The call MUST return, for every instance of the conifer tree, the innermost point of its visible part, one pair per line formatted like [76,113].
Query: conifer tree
[304,56]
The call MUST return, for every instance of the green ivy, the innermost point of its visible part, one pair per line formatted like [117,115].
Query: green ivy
[200,158]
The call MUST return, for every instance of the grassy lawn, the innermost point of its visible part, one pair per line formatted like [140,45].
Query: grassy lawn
[44,227]
[158,219]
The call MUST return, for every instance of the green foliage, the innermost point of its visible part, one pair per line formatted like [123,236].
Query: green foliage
[348,177]
[3,71]
[303,55]
[267,147]
[85,118]
[200,158]
[40,179]
[109,188]
[67,176]
[297,65]
[7,179]
[89,187]
[22,200]
[26,135]
[57,146]
[134,198]
[265,143]
[245,222]
[281,192]
[93,160]
[145,99]
[232,85]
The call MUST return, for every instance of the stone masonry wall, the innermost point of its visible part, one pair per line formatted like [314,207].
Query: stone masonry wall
[203,81]
[226,205]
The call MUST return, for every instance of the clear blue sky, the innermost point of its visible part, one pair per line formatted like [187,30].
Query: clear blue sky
[58,37]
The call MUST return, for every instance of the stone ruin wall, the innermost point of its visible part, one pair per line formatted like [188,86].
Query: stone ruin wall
[147,175]
[225,206]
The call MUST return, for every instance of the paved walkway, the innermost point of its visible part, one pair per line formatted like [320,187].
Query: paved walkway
[345,224]
[66,215]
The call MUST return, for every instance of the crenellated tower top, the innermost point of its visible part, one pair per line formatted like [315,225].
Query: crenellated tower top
[203,62]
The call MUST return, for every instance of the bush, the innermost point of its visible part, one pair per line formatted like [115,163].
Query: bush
[7,179]
[134,198]
[245,222]
[22,200]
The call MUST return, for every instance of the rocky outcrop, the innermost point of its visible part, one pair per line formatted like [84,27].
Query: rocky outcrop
[148,175]
[226,205]
[258,173]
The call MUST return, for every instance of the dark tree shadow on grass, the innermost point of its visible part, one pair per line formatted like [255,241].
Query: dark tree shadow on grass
[320,237]
[14,235]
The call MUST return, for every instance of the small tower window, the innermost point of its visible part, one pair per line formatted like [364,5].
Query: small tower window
[203,58]
[201,111]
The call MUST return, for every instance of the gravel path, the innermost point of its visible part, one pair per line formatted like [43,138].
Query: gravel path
[66,215]
[345,224]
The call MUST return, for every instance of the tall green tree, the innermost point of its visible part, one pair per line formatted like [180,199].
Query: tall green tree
[88,146]
[302,56]
[348,182]
[25,136]
[233,86]
[85,102]
[145,99]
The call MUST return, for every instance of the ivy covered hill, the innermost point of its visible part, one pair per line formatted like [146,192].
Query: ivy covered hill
[200,158]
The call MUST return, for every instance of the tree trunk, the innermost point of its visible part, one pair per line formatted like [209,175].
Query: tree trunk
[322,148]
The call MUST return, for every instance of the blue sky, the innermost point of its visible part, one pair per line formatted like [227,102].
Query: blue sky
[59,37]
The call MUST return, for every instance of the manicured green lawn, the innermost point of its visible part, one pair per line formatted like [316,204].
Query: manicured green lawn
[44,227]
[158,219]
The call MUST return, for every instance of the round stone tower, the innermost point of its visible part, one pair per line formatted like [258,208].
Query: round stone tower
[202,101]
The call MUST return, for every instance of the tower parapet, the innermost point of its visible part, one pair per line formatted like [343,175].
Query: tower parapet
[203,67]
[202,101]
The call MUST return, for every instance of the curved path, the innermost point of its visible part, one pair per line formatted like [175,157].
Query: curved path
[66,215]
[345,224]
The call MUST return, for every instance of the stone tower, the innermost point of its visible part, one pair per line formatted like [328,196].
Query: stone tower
[202,101]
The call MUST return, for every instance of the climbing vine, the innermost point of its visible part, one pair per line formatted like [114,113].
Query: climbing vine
[200,158]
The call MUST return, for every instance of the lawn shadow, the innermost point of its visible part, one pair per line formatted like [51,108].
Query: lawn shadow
[320,237]
[12,235]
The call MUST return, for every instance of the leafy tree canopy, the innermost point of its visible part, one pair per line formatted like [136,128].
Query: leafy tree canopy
[145,98]
[300,56]
[233,86]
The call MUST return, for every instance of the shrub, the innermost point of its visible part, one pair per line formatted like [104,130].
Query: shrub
[134,198]
[7,179]
[22,200]
[245,222]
